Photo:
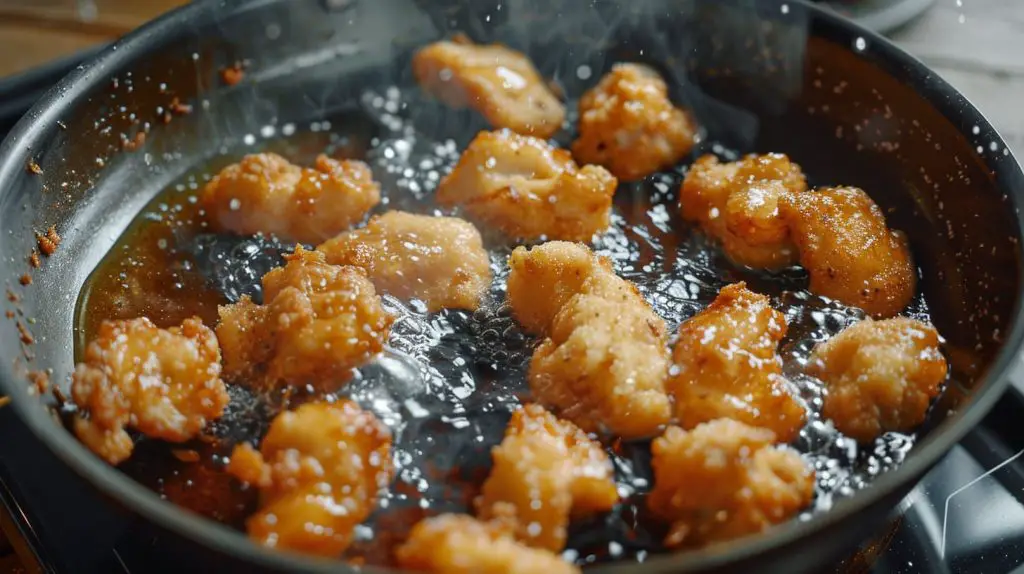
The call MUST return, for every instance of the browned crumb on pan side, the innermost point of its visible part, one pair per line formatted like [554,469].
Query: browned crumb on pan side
[233,74]
[40,380]
[133,143]
[178,108]
[49,241]
[24,335]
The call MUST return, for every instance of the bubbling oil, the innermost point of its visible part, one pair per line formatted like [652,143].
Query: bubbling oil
[448,381]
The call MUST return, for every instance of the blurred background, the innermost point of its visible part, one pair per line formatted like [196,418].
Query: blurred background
[39,31]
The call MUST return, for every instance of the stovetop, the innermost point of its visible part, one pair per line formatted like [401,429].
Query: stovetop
[966,516]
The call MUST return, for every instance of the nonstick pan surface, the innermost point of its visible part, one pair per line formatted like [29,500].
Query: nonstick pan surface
[760,76]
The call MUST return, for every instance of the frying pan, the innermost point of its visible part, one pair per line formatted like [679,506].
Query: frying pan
[769,75]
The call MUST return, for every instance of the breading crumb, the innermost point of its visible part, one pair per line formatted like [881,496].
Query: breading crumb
[48,242]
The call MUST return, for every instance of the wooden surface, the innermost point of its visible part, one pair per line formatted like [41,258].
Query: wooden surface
[33,32]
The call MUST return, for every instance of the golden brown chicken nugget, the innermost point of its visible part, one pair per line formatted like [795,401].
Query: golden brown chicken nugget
[265,193]
[496,81]
[880,375]
[629,125]
[319,469]
[439,260]
[528,189]
[737,204]
[545,470]
[460,544]
[165,383]
[317,323]
[541,280]
[849,252]
[724,480]
[726,365]
[604,361]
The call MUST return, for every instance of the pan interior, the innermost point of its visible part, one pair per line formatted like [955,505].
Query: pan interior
[768,80]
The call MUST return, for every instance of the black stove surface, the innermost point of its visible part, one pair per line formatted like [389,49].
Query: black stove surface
[966,516]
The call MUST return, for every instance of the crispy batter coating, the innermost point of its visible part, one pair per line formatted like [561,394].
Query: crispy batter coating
[544,470]
[439,260]
[460,544]
[318,322]
[848,251]
[726,365]
[541,280]
[266,193]
[881,376]
[723,480]
[629,125]
[737,204]
[496,81]
[605,359]
[528,189]
[319,470]
[165,383]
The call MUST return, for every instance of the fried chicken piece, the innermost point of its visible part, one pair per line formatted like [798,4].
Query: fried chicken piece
[460,544]
[723,480]
[544,470]
[543,279]
[317,323]
[496,81]
[439,260]
[880,375]
[726,365]
[318,470]
[266,193]
[528,189]
[604,361]
[849,252]
[165,383]
[737,204]
[629,125]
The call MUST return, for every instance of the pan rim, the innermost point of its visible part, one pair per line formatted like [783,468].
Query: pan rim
[1006,366]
